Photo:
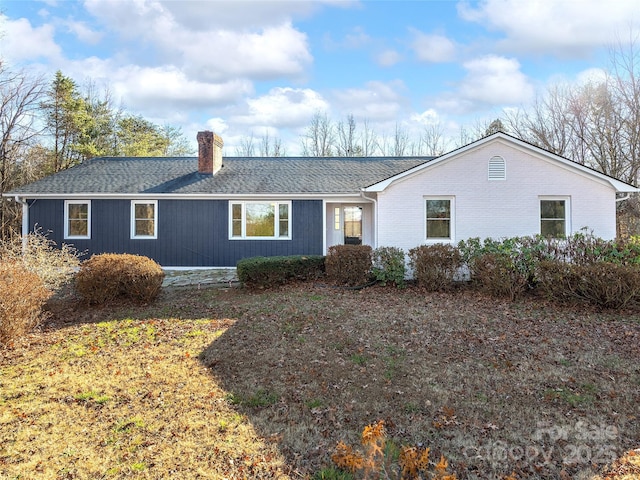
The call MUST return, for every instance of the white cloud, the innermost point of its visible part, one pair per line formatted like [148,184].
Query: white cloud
[432,48]
[234,14]
[355,39]
[217,125]
[591,75]
[23,42]
[282,107]
[167,87]
[163,92]
[559,27]
[274,52]
[83,32]
[377,101]
[388,58]
[428,117]
[491,81]
[217,50]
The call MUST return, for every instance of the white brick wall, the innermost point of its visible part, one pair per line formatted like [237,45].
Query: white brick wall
[495,208]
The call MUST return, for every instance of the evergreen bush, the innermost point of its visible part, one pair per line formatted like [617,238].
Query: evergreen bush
[264,272]
[389,265]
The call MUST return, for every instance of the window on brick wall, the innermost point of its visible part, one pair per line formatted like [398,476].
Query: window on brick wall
[439,219]
[554,217]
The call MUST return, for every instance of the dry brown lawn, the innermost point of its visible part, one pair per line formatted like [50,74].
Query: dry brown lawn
[231,383]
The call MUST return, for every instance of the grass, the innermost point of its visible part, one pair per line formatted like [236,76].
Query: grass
[216,383]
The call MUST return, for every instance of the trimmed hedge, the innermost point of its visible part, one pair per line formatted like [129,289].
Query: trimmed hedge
[265,272]
[23,296]
[108,276]
[349,265]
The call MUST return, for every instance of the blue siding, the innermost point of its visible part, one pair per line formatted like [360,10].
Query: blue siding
[190,232]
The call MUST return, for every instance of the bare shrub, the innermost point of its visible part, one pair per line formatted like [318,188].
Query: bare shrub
[604,284]
[22,296]
[108,276]
[435,266]
[349,264]
[497,275]
[41,255]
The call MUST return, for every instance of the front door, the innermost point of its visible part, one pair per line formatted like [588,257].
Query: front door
[352,225]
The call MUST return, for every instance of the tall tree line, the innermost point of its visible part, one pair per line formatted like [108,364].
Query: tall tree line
[47,127]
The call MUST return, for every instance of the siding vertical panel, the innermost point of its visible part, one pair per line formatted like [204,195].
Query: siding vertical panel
[190,232]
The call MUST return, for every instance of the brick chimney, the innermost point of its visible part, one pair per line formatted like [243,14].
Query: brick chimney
[209,152]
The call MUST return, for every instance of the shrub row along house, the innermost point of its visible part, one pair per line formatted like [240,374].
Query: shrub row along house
[212,211]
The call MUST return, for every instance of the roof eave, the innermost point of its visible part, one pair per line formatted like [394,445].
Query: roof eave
[618,185]
[175,196]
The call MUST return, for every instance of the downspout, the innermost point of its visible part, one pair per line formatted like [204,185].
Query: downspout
[375,214]
[25,222]
[626,197]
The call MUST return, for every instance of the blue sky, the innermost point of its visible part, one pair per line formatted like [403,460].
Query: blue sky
[244,68]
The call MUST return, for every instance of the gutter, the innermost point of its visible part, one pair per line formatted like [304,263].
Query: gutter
[25,222]
[375,211]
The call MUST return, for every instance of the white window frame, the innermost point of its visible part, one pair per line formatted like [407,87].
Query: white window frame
[133,219]
[567,212]
[452,223]
[67,204]
[243,204]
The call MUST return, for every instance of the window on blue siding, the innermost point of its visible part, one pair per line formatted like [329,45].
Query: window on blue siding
[439,218]
[260,220]
[144,219]
[77,219]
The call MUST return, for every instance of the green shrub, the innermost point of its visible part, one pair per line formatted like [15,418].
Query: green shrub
[524,254]
[40,255]
[604,284]
[580,266]
[265,272]
[349,264]
[22,296]
[389,265]
[106,277]
[585,249]
[435,267]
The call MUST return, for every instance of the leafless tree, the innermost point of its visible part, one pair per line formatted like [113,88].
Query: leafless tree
[20,97]
[347,146]
[368,140]
[247,147]
[595,123]
[271,147]
[432,140]
[319,138]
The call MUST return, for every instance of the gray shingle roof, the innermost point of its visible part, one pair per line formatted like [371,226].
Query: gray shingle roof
[239,175]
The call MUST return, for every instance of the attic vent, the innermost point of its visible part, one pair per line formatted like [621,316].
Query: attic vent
[497,169]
